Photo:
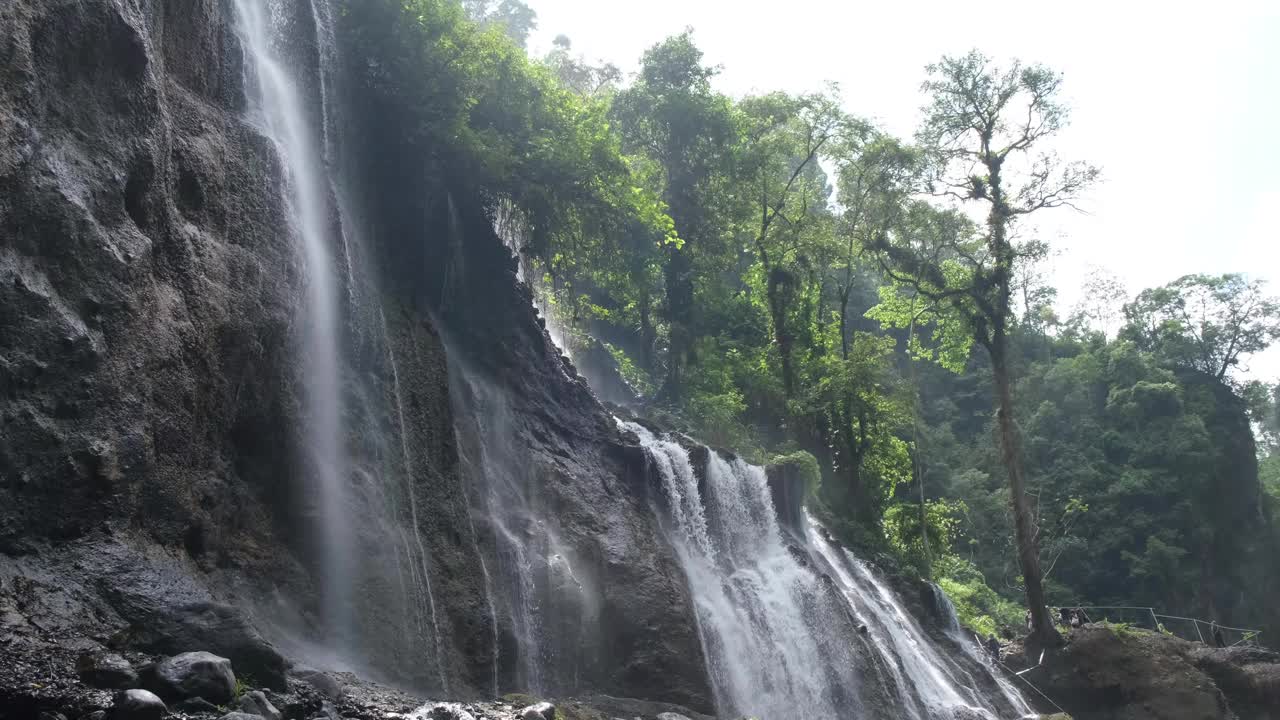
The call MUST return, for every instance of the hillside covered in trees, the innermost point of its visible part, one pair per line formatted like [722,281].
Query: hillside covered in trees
[781,277]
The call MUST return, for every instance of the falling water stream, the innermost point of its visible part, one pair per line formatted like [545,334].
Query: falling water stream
[778,642]
[278,106]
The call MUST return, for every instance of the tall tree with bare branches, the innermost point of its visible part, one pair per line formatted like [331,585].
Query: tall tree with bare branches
[984,129]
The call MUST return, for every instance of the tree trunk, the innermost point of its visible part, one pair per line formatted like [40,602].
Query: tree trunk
[778,292]
[1042,628]
[1023,523]
[678,274]
[647,333]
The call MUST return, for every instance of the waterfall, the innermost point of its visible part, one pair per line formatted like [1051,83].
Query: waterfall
[278,107]
[795,626]
[764,618]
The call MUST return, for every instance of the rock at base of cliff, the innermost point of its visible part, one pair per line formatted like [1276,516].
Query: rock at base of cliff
[105,670]
[194,674]
[137,705]
[211,627]
[449,711]
[256,703]
[539,711]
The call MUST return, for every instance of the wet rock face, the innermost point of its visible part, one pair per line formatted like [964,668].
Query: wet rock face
[150,394]
[106,670]
[1104,673]
[210,626]
[130,317]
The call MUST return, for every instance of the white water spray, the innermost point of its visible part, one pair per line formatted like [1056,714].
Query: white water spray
[278,106]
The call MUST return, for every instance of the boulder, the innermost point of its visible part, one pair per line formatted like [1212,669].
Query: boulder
[324,683]
[194,674]
[211,627]
[671,716]
[539,711]
[255,703]
[240,716]
[137,705]
[105,670]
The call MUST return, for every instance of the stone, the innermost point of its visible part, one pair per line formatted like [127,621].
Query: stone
[671,716]
[96,715]
[255,703]
[46,715]
[211,627]
[197,705]
[137,705]
[539,711]
[195,674]
[240,716]
[449,711]
[108,671]
[324,683]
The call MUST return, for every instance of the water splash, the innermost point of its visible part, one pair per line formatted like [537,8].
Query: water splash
[278,106]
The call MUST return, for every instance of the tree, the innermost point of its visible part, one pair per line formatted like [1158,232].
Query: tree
[981,126]
[784,138]
[1206,322]
[576,73]
[672,116]
[1101,304]
[515,18]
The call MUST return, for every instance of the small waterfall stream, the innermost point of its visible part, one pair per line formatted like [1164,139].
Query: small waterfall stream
[278,105]
[779,642]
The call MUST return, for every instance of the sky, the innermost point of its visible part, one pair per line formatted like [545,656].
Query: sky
[1177,102]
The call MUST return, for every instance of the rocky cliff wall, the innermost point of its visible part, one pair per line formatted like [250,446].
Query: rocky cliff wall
[151,392]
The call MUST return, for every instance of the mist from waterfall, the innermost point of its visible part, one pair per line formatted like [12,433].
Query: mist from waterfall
[278,106]
[792,624]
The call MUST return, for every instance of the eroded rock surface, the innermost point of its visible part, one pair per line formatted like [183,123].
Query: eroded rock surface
[1108,672]
[152,497]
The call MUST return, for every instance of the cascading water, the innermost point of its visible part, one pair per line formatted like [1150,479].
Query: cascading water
[792,625]
[278,107]
[941,685]
[764,618]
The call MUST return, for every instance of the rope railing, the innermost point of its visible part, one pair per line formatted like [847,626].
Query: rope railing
[1246,635]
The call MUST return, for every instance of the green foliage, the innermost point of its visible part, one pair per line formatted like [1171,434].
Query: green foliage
[805,465]
[1206,322]
[1123,630]
[634,376]
[902,527]
[981,609]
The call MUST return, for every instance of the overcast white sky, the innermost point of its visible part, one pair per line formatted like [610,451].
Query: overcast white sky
[1179,103]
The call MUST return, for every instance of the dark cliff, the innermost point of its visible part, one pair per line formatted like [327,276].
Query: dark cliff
[151,388]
